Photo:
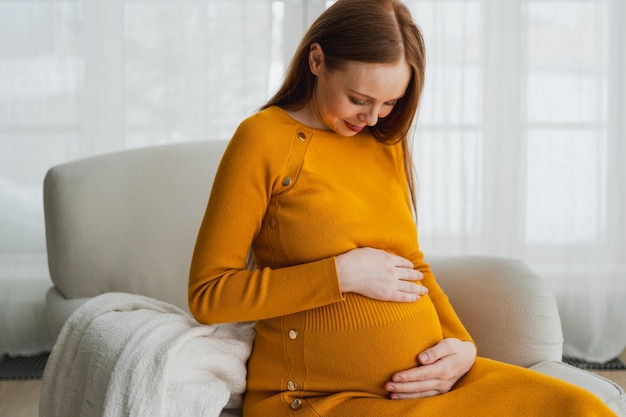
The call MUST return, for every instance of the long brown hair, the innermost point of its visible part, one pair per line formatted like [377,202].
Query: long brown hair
[371,31]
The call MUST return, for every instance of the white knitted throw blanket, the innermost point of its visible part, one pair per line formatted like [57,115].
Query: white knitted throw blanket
[124,355]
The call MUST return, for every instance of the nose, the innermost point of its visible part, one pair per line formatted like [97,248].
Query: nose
[370,117]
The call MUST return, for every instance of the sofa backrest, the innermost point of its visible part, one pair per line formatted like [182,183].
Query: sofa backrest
[127,221]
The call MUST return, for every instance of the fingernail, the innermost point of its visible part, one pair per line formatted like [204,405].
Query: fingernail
[424,357]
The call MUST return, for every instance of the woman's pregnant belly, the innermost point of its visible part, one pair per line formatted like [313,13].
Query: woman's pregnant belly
[355,345]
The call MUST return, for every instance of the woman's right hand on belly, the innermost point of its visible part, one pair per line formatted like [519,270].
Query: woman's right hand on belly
[379,275]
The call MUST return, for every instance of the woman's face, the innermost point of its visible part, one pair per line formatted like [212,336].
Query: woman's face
[347,100]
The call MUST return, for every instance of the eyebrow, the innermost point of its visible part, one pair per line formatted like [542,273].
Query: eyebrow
[372,98]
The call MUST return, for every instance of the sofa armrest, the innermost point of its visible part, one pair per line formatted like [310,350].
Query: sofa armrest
[127,221]
[507,308]
[60,309]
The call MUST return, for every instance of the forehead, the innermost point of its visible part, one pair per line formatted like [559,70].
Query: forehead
[378,81]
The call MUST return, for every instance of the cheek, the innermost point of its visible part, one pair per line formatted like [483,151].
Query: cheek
[338,107]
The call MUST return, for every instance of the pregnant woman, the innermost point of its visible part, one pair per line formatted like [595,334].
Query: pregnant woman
[318,187]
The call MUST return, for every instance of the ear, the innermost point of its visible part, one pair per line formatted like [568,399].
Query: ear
[316,58]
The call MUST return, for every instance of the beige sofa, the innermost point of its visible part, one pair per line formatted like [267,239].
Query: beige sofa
[127,222]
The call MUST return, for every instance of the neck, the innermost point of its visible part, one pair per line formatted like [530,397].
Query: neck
[309,116]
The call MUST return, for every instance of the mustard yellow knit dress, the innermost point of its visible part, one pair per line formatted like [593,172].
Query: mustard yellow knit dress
[300,197]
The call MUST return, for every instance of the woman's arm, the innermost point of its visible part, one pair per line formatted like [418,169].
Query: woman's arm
[220,287]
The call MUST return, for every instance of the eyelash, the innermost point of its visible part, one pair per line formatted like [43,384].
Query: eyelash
[357,102]
[362,103]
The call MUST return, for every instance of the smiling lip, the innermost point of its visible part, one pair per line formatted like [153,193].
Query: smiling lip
[354,128]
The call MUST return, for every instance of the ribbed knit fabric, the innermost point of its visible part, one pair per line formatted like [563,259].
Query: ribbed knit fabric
[300,197]
[358,312]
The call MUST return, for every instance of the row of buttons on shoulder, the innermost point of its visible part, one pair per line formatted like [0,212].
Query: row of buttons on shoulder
[287,180]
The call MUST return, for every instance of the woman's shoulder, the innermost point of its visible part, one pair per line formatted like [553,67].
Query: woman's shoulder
[264,129]
[267,121]
[263,138]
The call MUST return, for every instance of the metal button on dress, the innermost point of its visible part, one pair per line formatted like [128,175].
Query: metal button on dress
[292,386]
[295,404]
[286,181]
[293,334]
[301,136]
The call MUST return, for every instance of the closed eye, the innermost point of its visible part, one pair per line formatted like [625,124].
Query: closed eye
[358,102]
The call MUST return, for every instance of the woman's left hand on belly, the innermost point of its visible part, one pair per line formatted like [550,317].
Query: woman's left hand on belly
[441,367]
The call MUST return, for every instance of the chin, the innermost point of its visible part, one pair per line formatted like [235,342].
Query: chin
[345,132]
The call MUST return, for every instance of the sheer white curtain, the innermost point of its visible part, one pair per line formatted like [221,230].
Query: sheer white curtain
[518,146]
[79,78]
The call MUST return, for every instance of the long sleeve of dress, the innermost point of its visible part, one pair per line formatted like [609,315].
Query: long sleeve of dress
[220,287]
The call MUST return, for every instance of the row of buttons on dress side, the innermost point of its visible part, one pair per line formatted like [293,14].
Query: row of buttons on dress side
[291,384]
